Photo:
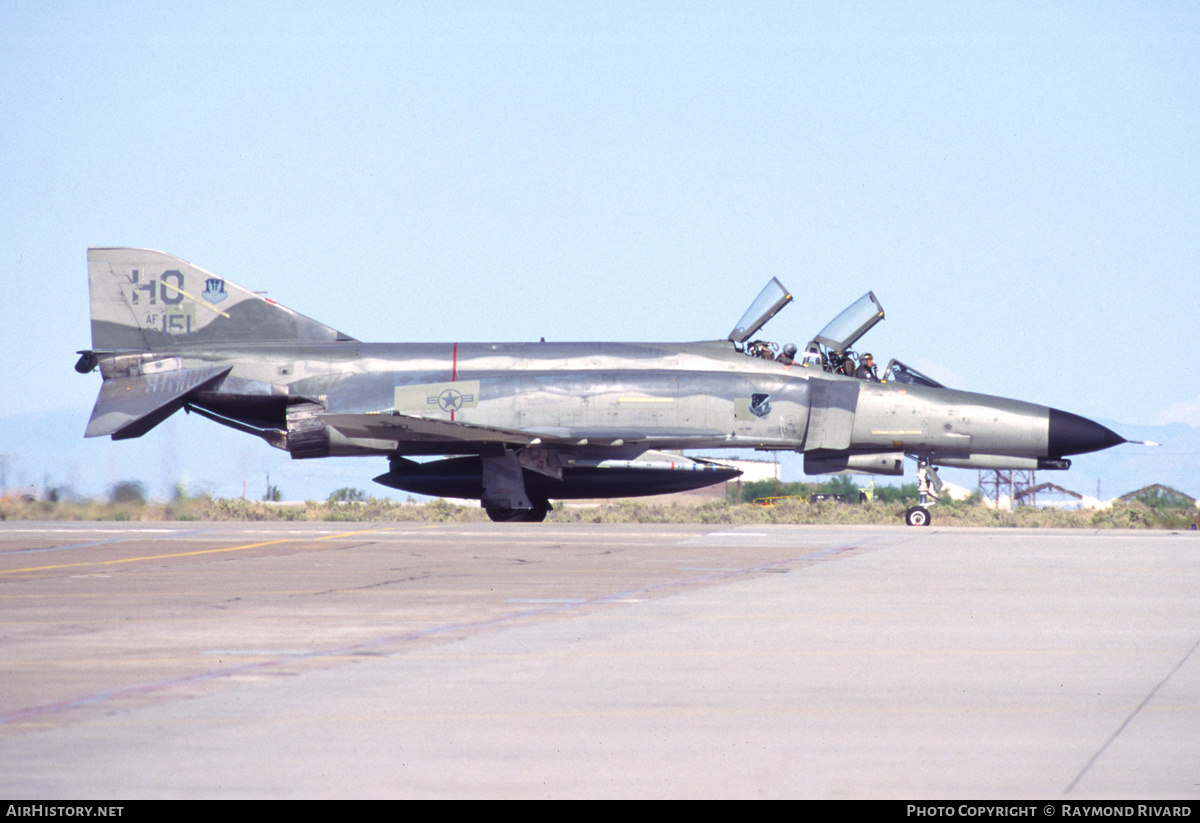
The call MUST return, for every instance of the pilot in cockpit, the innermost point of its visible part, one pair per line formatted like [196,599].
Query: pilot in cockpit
[866,369]
[788,356]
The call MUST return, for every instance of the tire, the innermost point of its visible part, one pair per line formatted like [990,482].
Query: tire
[535,515]
[507,515]
[917,516]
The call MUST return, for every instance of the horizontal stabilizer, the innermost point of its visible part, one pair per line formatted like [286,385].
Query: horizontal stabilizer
[131,406]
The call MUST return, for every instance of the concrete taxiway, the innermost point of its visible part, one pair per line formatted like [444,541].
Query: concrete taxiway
[542,660]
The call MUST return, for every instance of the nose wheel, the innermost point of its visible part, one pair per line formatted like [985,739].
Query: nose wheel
[917,516]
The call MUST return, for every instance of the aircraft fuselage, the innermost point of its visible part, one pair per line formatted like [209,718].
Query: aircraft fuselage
[645,395]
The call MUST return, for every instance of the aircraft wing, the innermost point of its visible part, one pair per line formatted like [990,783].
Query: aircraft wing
[406,427]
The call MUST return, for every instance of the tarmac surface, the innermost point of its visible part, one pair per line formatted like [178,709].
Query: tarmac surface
[161,660]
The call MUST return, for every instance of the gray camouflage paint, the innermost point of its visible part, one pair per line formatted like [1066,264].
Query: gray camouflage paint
[167,334]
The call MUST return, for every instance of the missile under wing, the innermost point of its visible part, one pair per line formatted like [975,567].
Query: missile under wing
[516,425]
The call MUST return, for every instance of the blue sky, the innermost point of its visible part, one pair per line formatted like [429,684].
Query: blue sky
[1017,182]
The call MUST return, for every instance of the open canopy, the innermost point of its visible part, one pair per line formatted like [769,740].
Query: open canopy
[851,324]
[768,303]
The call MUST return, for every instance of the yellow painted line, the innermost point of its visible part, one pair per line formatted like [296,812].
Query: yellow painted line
[199,300]
[182,554]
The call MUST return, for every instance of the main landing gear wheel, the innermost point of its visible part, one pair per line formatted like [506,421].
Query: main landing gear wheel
[917,516]
[535,515]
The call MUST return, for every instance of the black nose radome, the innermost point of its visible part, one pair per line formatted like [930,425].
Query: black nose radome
[1072,434]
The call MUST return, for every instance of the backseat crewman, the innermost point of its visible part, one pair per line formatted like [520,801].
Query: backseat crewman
[866,369]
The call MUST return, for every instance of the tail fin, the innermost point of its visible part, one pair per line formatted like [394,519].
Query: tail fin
[147,300]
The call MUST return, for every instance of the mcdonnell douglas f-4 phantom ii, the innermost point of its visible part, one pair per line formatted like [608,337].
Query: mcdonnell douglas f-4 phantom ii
[519,424]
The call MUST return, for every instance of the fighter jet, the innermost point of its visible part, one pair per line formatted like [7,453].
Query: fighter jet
[516,425]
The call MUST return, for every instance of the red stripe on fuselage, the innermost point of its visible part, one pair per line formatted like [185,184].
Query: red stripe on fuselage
[454,374]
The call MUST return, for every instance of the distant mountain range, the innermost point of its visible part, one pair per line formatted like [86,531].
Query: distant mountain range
[48,450]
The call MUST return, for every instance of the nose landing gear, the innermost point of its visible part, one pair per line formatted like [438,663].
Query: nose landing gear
[929,487]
